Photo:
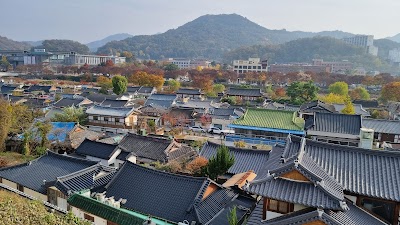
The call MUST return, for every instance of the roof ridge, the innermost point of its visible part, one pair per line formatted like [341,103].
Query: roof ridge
[70,157]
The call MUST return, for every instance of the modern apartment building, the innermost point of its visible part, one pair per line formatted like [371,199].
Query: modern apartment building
[184,63]
[251,65]
[335,67]
[366,41]
[394,56]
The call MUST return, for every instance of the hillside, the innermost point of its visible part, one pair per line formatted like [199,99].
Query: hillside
[306,49]
[56,45]
[208,36]
[94,45]
[33,43]
[395,38]
[8,44]
[384,46]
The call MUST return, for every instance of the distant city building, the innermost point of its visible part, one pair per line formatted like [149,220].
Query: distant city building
[394,55]
[298,67]
[41,56]
[183,63]
[251,65]
[366,41]
[335,67]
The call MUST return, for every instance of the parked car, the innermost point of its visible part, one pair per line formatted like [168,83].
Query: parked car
[197,129]
[216,130]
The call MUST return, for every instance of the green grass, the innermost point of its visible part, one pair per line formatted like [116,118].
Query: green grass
[14,158]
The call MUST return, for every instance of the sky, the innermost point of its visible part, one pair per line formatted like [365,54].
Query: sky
[90,20]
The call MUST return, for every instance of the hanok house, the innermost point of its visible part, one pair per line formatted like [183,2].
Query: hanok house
[189,93]
[308,109]
[176,198]
[38,90]
[335,128]
[114,103]
[38,177]
[384,130]
[106,154]
[151,149]
[245,94]
[359,110]
[108,117]
[266,127]
[245,159]
[140,91]
[161,101]
[311,182]
[221,117]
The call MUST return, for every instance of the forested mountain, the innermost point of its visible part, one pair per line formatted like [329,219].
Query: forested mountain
[208,36]
[395,38]
[306,49]
[56,45]
[115,37]
[8,44]
[384,46]
[33,43]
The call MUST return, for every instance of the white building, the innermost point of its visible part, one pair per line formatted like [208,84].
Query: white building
[366,41]
[394,55]
[183,63]
[251,65]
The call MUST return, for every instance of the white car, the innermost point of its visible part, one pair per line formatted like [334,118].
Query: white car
[216,130]
[197,129]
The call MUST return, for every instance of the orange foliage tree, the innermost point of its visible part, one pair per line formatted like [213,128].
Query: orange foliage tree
[142,78]
[391,92]
[196,166]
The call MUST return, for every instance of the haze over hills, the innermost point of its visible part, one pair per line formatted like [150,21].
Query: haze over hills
[94,45]
[8,44]
[395,38]
[208,36]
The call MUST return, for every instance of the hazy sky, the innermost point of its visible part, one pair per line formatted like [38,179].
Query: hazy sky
[88,20]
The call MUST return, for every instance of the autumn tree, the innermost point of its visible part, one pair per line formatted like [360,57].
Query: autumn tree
[173,85]
[332,98]
[339,88]
[197,166]
[129,57]
[205,83]
[109,63]
[105,84]
[71,114]
[359,93]
[220,163]
[43,129]
[391,92]
[171,67]
[119,84]
[218,88]
[4,64]
[348,107]
[142,78]
[300,92]
[6,121]
[280,92]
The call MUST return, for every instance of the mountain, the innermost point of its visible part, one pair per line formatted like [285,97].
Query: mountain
[306,49]
[56,45]
[33,43]
[94,45]
[395,38]
[384,46]
[208,36]
[8,44]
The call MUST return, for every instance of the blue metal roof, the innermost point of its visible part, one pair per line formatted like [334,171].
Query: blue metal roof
[267,129]
[65,127]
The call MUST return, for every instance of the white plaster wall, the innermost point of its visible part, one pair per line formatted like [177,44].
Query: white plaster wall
[114,157]
[297,207]
[35,194]
[351,198]
[80,214]
[271,215]
[9,183]
[132,158]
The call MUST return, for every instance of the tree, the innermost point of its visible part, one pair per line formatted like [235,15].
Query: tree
[129,57]
[4,64]
[230,100]
[300,92]
[339,88]
[359,93]
[391,92]
[197,166]
[332,98]
[6,121]
[22,118]
[119,84]
[142,78]
[280,92]
[43,129]
[218,88]
[220,163]
[203,82]
[26,142]
[171,67]
[109,63]
[232,217]
[349,107]
[105,83]
[71,114]
[173,85]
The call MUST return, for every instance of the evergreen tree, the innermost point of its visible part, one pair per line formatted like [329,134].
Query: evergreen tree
[119,84]
[220,163]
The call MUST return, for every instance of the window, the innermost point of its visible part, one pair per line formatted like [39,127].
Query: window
[383,209]
[95,118]
[106,119]
[111,223]
[88,217]
[279,206]
[20,188]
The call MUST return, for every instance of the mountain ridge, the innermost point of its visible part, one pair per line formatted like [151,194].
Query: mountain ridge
[94,45]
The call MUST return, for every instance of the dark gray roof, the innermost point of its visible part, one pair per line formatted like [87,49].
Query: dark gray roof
[45,89]
[353,216]
[8,88]
[110,111]
[245,159]
[244,92]
[91,177]
[98,98]
[14,99]
[383,126]
[188,91]
[48,167]
[359,110]
[317,106]
[367,103]
[160,194]
[114,103]
[163,97]
[140,89]
[96,149]
[66,102]
[35,103]
[224,113]
[336,123]
[133,89]
[164,104]
[146,146]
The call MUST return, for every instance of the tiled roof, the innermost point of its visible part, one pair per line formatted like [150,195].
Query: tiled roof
[353,216]
[163,104]
[88,178]
[7,89]
[181,152]
[367,103]
[66,102]
[98,98]
[279,106]
[337,123]
[35,103]
[317,106]
[80,133]
[47,167]
[194,103]
[96,149]
[114,103]
[245,159]
[146,146]
[189,91]
[226,113]
[275,119]
[39,88]
[359,110]
[382,126]
[163,97]
[160,194]
[140,90]
[109,111]
[245,92]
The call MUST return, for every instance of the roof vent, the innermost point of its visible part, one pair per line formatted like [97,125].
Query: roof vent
[185,222]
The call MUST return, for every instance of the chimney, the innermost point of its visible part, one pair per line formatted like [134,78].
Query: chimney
[366,138]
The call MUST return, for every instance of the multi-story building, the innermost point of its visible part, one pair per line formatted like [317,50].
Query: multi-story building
[335,67]
[251,65]
[366,41]
[183,63]
[394,56]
